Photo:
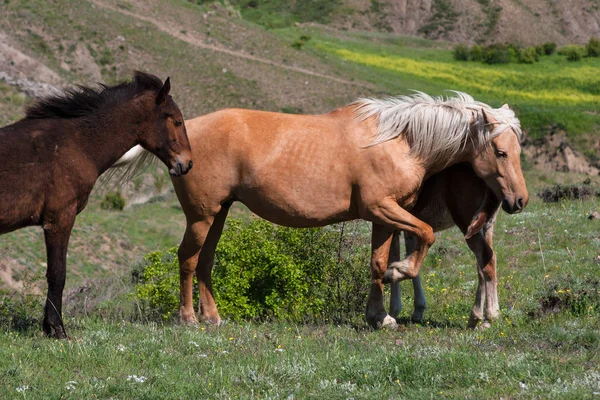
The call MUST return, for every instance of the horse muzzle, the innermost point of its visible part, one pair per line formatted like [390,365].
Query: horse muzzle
[181,168]
[515,206]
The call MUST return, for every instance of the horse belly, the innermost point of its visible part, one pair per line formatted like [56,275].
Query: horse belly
[18,212]
[297,208]
[435,213]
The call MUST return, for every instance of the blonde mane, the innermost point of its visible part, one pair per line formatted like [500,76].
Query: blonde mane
[436,128]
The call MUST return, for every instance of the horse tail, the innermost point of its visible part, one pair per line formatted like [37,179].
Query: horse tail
[130,165]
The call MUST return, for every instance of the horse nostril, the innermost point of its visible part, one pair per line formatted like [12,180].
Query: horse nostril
[519,203]
[190,165]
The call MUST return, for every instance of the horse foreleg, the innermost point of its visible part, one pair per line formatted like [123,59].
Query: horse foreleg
[492,310]
[390,214]
[395,295]
[381,239]
[207,306]
[486,272]
[56,234]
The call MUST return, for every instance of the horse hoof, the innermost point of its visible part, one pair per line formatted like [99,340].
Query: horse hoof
[389,323]
[417,318]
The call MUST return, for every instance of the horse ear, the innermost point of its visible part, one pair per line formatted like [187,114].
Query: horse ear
[161,98]
[505,106]
[487,117]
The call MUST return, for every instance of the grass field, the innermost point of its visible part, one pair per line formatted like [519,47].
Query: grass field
[544,345]
[552,91]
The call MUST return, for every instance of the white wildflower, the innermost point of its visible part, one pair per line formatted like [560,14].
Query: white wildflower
[135,378]
[121,348]
[70,385]
[21,389]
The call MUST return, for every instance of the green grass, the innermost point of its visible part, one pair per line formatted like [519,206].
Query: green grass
[547,252]
[552,91]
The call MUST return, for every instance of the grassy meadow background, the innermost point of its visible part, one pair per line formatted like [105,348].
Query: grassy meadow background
[545,343]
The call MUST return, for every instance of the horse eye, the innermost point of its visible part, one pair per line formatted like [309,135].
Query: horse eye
[178,123]
[502,154]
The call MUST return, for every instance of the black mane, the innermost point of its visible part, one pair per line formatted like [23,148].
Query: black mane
[85,100]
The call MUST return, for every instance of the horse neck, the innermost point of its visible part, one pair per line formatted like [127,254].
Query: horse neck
[106,136]
[432,167]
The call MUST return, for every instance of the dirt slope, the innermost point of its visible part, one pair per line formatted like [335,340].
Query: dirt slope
[470,21]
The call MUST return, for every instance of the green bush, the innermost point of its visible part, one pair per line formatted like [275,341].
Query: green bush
[539,50]
[529,55]
[157,284]
[572,52]
[549,48]
[461,53]
[264,271]
[16,312]
[113,201]
[496,54]
[476,53]
[592,47]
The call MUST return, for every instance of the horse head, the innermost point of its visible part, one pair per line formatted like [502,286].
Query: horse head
[499,162]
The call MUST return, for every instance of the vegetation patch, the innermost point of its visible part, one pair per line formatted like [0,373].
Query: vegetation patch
[113,202]
[264,272]
[442,20]
[560,192]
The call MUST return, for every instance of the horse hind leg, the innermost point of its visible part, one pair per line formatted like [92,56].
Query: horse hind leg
[189,250]
[56,235]
[207,307]
[419,295]
[396,294]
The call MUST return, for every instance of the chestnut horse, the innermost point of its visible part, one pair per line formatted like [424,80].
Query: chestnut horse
[52,158]
[456,196]
[366,160]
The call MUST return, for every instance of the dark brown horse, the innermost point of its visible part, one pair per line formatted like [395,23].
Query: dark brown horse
[456,196]
[52,158]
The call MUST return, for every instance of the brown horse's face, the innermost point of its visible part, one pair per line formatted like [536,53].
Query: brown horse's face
[169,141]
[499,165]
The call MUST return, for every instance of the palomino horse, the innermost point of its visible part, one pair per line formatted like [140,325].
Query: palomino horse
[456,196]
[52,158]
[366,160]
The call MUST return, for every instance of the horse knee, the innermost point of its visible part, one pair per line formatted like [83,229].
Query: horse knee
[489,272]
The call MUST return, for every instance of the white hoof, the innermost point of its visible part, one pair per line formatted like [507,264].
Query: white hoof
[389,323]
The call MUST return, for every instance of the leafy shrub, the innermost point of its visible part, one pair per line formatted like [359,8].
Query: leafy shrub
[263,271]
[476,53]
[572,52]
[16,312]
[528,56]
[566,192]
[460,53]
[496,54]
[298,44]
[592,47]
[157,284]
[549,48]
[113,201]
[539,50]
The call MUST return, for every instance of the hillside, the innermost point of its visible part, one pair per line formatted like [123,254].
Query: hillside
[528,22]
[480,21]
[217,57]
